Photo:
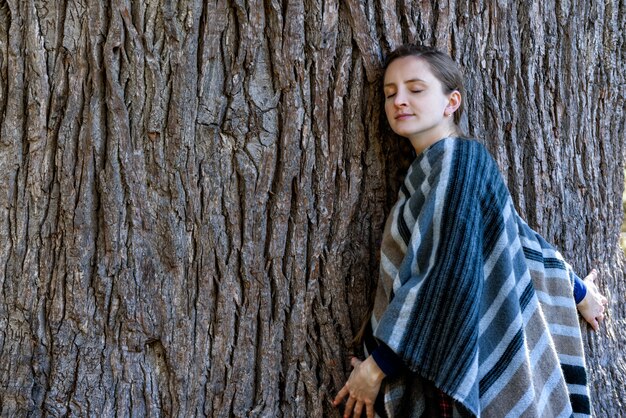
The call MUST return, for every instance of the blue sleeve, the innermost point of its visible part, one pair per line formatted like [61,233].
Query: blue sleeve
[580,290]
[388,361]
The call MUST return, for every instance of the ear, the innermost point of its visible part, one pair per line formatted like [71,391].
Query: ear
[454,101]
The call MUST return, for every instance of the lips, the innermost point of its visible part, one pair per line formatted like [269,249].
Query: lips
[403,116]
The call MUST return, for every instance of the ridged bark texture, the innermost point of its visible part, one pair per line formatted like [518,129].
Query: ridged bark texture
[192,193]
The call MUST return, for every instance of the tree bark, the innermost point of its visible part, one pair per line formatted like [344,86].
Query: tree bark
[193,192]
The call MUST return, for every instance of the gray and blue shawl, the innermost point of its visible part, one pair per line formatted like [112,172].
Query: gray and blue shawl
[472,299]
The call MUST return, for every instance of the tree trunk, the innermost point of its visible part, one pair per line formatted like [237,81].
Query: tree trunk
[193,193]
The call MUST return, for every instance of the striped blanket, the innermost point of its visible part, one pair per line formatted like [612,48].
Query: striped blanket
[472,299]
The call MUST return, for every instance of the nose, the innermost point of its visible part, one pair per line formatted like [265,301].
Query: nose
[400,99]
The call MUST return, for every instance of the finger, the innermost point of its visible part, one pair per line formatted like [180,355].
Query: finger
[600,317]
[354,362]
[358,409]
[349,405]
[370,410]
[594,324]
[342,394]
[593,274]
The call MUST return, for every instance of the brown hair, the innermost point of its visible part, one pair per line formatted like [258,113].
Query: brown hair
[442,66]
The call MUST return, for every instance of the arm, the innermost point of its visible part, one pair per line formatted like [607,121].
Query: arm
[388,361]
[580,289]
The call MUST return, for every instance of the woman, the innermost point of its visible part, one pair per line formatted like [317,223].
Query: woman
[474,314]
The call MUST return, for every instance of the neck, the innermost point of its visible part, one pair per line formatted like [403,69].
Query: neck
[421,142]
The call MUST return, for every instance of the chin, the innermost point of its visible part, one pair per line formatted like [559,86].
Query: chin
[404,132]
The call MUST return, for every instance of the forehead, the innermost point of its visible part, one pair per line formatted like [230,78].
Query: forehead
[408,68]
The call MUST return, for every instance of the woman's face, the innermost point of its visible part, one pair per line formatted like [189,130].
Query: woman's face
[415,104]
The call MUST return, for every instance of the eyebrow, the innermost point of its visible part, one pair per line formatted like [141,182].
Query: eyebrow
[413,80]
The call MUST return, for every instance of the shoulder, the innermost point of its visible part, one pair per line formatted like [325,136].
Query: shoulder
[450,146]
[470,146]
[470,153]
[473,167]
[454,157]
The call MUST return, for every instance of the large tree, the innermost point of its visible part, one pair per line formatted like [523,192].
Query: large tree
[192,193]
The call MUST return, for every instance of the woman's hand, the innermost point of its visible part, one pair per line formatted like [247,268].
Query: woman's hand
[361,388]
[593,304]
